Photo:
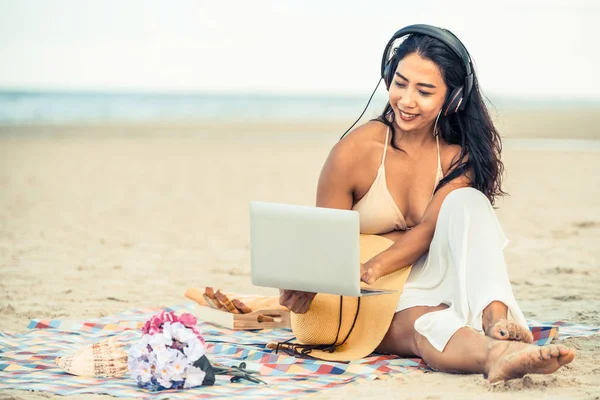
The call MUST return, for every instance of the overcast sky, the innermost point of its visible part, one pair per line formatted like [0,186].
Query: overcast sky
[521,48]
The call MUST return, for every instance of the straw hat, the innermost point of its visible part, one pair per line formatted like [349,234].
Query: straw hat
[319,326]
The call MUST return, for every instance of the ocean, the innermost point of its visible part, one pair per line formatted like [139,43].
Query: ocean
[86,107]
[28,107]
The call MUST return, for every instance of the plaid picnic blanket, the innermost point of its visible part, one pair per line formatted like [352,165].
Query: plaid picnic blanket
[27,360]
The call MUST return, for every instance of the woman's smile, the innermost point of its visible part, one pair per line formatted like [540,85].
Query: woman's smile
[407,116]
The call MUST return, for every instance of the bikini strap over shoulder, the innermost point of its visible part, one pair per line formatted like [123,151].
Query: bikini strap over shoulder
[387,133]
[437,142]
[439,173]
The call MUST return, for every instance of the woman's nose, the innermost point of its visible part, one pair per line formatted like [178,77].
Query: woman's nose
[407,99]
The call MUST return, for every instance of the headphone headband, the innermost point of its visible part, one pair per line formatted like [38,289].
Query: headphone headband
[443,35]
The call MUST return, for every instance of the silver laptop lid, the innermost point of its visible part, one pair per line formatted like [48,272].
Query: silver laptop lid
[305,248]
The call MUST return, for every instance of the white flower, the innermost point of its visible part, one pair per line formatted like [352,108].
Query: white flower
[138,350]
[194,377]
[163,372]
[164,382]
[181,333]
[179,356]
[166,356]
[132,363]
[143,371]
[167,333]
[158,343]
[161,354]
[145,339]
[194,350]
[152,358]
[177,368]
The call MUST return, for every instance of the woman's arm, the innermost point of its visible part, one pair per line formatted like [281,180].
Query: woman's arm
[335,186]
[334,190]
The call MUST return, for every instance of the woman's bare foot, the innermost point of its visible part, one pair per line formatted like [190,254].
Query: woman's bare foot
[510,360]
[509,330]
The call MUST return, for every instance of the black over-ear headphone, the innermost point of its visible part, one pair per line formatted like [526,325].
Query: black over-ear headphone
[458,98]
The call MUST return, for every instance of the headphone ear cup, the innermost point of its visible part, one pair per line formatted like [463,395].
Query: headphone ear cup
[454,101]
[386,73]
[390,70]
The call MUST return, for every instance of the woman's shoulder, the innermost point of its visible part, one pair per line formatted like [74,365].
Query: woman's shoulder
[361,141]
[353,154]
[368,131]
[449,154]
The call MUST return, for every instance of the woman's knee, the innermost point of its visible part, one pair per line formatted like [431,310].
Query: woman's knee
[467,197]
[468,207]
[463,203]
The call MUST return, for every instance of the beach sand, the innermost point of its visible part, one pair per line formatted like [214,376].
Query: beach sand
[95,220]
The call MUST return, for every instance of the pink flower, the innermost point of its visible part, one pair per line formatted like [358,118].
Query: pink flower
[154,330]
[146,328]
[155,324]
[170,317]
[188,320]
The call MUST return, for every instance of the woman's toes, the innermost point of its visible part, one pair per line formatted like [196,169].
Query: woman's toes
[547,353]
[514,360]
[565,355]
[509,330]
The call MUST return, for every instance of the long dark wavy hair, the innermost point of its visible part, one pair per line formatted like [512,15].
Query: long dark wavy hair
[471,128]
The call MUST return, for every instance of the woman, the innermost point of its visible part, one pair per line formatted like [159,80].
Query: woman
[425,174]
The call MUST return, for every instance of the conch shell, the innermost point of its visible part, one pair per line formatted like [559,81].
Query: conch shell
[105,359]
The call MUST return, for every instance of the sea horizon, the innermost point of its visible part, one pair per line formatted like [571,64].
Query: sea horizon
[29,106]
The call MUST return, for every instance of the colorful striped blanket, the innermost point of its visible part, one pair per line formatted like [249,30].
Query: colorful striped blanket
[27,360]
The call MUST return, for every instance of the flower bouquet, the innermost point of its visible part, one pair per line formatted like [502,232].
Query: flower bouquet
[171,355]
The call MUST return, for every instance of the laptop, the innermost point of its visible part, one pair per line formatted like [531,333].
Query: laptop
[312,249]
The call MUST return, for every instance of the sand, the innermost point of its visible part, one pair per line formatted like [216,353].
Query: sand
[95,220]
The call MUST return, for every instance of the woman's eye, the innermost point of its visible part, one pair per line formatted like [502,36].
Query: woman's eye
[402,85]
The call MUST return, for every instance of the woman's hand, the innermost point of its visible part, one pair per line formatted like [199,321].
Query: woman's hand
[296,300]
[368,273]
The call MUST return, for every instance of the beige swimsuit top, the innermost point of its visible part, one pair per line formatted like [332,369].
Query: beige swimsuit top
[378,211]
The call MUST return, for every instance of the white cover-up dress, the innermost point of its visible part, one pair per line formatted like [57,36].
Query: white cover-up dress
[464,267]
